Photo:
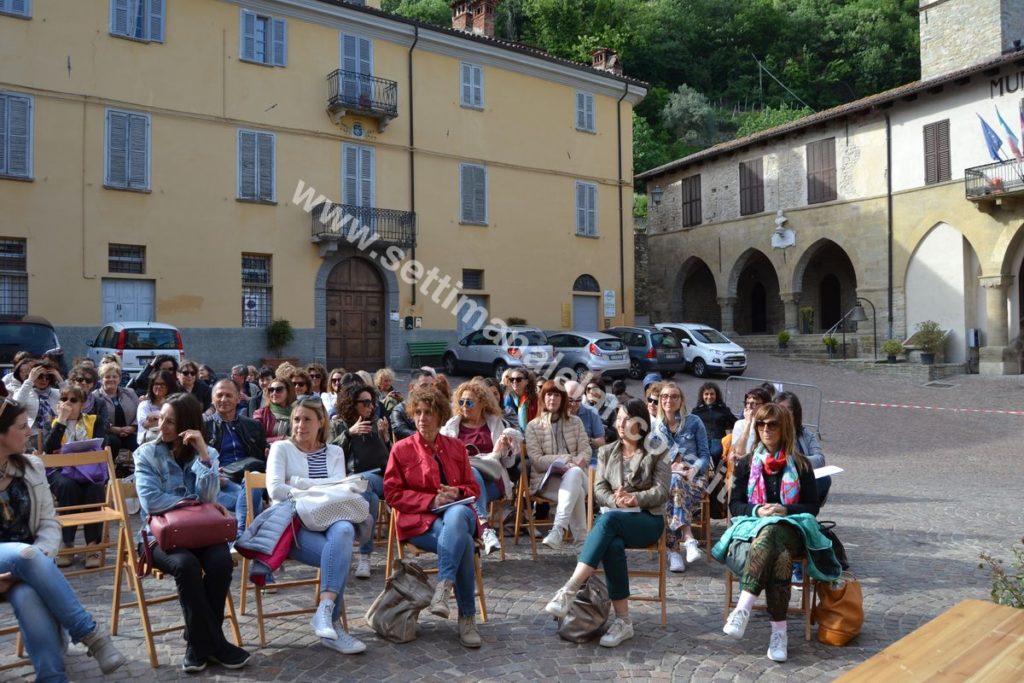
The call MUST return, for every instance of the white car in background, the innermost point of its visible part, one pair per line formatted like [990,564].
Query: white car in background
[707,350]
[136,343]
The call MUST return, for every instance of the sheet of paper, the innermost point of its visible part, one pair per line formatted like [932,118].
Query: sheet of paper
[826,471]
[464,501]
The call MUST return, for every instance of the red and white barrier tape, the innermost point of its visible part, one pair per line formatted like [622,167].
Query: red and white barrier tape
[912,407]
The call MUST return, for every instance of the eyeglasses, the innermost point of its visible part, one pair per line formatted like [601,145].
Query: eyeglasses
[671,397]
[70,399]
[299,384]
[81,380]
[335,380]
[466,403]
[652,399]
[365,401]
[315,375]
[767,424]
[187,373]
[276,389]
[516,379]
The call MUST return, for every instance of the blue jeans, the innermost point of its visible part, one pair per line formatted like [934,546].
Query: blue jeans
[451,537]
[232,496]
[374,494]
[824,484]
[331,550]
[43,602]
[488,492]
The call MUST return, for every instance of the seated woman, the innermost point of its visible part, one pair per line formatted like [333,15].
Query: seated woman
[806,441]
[557,441]
[275,415]
[775,481]
[317,379]
[330,397]
[477,423]
[72,425]
[717,418]
[121,406]
[303,460]
[520,396]
[652,395]
[44,604]
[302,385]
[629,477]
[162,383]
[426,471]
[177,466]
[687,447]
[743,432]
[364,441]
[384,381]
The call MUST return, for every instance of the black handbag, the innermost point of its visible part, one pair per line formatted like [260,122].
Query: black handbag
[236,471]
[827,530]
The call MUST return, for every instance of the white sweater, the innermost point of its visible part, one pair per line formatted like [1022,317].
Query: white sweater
[288,468]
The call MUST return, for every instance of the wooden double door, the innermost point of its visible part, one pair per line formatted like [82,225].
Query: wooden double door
[355,316]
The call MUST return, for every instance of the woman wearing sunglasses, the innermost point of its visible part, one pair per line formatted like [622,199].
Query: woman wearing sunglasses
[317,378]
[44,604]
[188,374]
[276,413]
[476,422]
[775,482]
[329,397]
[521,395]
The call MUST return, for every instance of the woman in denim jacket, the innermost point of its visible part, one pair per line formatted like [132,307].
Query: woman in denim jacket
[179,466]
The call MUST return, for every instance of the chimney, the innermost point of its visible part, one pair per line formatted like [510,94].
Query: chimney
[606,59]
[475,16]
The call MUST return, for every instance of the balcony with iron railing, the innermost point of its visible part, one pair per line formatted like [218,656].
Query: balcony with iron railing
[995,182]
[363,227]
[350,92]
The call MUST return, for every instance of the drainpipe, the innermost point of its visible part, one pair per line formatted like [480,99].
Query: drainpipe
[412,153]
[888,204]
[622,220]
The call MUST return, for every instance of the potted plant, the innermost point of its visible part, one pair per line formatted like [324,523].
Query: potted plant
[891,348]
[830,344]
[806,319]
[928,338]
[279,335]
[783,338]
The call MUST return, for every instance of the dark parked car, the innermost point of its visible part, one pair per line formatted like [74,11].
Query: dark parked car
[650,350]
[33,334]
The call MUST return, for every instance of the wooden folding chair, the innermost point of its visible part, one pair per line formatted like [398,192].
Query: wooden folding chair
[660,548]
[128,566]
[702,529]
[525,502]
[807,598]
[396,549]
[19,648]
[74,516]
[258,480]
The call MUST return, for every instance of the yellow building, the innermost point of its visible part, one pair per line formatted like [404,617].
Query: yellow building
[181,162]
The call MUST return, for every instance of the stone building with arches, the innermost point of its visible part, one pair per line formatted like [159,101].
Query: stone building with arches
[911,199]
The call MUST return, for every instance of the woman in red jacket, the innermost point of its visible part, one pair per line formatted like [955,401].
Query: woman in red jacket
[425,472]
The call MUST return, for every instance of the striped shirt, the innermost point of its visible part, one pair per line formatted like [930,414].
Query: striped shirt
[317,463]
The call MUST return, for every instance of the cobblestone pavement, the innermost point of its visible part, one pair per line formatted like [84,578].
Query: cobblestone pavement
[924,492]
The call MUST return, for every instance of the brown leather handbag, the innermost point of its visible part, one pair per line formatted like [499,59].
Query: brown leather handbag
[840,610]
[191,524]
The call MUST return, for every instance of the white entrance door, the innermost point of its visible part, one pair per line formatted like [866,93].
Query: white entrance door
[584,313]
[127,300]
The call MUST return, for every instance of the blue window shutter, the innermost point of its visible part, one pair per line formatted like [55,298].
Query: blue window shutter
[117,148]
[19,119]
[478,86]
[279,35]
[581,110]
[366,177]
[246,164]
[589,100]
[581,209]
[474,194]
[156,20]
[248,35]
[119,17]
[350,173]
[592,210]
[467,84]
[265,161]
[138,151]
[16,7]
[3,133]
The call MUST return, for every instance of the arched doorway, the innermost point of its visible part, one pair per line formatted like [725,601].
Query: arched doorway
[695,295]
[830,297]
[827,282]
[758,309]
[586,304]
[755,285]
[355,299]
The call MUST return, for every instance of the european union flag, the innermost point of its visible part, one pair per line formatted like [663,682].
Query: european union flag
[991,139]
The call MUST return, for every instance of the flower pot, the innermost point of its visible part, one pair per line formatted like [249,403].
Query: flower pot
[927,358]
[783,346]
[890,359]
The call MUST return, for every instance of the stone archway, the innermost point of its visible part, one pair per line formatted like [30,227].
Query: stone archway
[755,286]
[826,282]
[695,295]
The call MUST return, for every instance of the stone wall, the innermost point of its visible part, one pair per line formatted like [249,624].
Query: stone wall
[958,33]
[641,293]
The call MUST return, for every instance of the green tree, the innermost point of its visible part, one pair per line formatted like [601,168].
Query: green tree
[690,117]
[769,117]
[437,12]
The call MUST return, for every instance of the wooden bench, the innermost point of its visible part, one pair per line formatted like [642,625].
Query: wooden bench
[426,349]
[972,641]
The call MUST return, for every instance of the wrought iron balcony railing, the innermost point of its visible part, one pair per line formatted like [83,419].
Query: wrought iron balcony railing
[994,181]
[355,93]
[362,226]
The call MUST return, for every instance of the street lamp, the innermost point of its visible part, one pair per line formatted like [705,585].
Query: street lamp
[857,315]
[656,194]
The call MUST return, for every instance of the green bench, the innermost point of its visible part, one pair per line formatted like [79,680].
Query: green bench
[426,349]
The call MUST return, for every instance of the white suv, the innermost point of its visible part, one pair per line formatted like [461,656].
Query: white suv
[707,350]
[483,351]
[137,343]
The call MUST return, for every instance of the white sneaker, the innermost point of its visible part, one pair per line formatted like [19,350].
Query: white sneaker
[321,621]
[490,540]
[363,567]
[736,624]
[619,631]
[559,605]
[344,643]
[777,646]
[555,539]
[693,551]
[676,563]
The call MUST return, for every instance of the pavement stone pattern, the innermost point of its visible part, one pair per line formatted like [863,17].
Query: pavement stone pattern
[924,492]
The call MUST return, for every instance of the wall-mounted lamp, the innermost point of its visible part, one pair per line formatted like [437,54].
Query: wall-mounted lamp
[656,194]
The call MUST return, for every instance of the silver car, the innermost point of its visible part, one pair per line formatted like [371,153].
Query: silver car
[595,352]
[493,352]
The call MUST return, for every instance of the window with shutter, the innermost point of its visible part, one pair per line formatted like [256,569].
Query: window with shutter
[15,135]
[256,166]
[472,86]
[127,150]
[138,19]
[751,187]
[691,201]
[264,39]
[18,8]
[473,193]
[586,209]
[585,112]
[358,181]
[821,171]
[936,152]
